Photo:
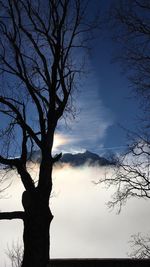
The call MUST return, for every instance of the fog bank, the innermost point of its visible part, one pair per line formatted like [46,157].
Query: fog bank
[82,225]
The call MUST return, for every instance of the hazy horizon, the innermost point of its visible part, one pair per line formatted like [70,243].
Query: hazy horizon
[82,227]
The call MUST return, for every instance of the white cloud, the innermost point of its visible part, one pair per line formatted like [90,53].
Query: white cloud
[83,220]
[82,225]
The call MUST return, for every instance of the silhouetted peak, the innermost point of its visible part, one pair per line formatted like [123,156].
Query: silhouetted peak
[91,154]
[78,159]
[87,157]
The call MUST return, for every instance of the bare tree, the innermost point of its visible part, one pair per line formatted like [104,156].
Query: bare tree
[130,24]
[131,175]
[40,67]
[15,254]
[131,29]
[4,182]
[140,246]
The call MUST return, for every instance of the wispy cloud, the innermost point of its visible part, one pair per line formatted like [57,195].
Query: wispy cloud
[89,128]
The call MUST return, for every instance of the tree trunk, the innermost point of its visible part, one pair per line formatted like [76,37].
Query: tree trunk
[36,236]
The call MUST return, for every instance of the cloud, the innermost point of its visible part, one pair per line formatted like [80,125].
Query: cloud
[83,220]
[89,129]
[82,225]
[60,140]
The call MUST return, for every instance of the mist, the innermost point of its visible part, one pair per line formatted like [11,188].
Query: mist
[82,227]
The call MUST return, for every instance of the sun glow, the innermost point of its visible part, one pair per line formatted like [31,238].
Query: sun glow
[59,141]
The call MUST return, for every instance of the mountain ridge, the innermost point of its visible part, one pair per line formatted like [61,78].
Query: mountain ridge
[87,157]
[77,159]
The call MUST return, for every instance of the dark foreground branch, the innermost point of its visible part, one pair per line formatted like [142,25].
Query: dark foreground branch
[12,215]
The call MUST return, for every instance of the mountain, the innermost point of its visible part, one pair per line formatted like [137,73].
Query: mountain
[78,159]
[87,157]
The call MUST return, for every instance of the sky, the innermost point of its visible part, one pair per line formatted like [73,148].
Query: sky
[104,101]
[105,105]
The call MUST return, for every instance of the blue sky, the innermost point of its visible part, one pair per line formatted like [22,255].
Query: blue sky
[106,103]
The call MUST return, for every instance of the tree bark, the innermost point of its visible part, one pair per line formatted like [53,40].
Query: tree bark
[36,235]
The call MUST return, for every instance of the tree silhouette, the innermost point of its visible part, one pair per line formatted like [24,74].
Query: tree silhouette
[130,25]
[140,246]
[131,31]
[40,67]
[14,254]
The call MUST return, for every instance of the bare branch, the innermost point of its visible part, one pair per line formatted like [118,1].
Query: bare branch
[19,118]
[10,162]
[130,26]
[12,215]
[15,254]
[140,246]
